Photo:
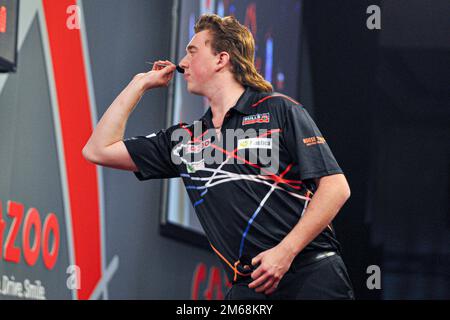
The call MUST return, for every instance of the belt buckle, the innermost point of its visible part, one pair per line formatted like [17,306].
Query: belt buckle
[325,255]
[310,258]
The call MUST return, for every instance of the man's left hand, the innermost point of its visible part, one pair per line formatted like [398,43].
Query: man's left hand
[274,263]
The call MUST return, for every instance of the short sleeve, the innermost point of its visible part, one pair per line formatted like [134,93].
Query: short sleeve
[152,155]
[307,146]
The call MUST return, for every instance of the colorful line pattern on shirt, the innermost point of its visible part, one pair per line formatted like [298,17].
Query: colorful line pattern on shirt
[219,176]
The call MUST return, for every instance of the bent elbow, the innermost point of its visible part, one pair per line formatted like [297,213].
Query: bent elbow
[89,155]
[347,192]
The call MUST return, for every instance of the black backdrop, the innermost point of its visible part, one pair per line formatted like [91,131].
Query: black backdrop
[381,98]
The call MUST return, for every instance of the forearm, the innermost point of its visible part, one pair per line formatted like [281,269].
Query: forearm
[112,125]
[328,199]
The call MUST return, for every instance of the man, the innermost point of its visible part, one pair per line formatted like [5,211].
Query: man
[270,225]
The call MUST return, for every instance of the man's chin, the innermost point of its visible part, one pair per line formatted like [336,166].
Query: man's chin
[193,91]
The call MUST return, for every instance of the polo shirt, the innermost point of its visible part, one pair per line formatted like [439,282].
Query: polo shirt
[249,185]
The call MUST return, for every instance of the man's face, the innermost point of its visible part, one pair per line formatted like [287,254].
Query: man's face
[199,63]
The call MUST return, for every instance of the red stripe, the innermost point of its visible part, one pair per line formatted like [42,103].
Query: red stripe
[233,154]
[270,175]
[275,95]
[75,117]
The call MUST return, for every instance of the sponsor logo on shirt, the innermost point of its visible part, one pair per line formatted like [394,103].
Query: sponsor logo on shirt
[198,147]
[257,147]
[256,118]
[194,166]
[259,143]
[313,141]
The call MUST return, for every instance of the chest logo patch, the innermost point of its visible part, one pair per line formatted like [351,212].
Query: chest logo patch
[197,147]
[259,143]
[256,118]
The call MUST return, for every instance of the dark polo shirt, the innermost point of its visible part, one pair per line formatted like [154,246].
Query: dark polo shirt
[250,186]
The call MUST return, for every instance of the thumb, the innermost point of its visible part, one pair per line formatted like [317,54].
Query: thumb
[169,69]
[257,259]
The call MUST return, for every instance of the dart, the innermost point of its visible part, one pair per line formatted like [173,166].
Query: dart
[179,69]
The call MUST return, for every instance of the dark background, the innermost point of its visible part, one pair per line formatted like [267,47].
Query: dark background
[380,97]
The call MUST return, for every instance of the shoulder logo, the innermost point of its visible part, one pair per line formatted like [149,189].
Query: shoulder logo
[313,141]
[256,118]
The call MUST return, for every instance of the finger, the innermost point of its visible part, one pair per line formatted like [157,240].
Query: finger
[267,285]
[166,63]
[155,66]
[257,273]
[256,260]
[169,69]
[168,82]
[273,288]
[158,64]
[170,75]
[169,63]
[260,280]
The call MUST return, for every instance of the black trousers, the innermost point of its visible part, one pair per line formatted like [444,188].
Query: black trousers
[324,279]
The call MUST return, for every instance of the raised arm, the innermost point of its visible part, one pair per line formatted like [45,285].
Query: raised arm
[105,146]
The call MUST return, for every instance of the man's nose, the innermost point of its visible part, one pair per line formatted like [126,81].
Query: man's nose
[183,63]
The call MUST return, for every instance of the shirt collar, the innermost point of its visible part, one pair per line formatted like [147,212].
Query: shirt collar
[242,105]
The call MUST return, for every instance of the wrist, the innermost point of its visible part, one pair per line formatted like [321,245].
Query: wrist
[290,249]
[138,86]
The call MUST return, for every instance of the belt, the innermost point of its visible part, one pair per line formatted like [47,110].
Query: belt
[300,261]
[308,258]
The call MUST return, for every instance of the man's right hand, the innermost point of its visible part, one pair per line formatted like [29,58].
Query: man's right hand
[157,77]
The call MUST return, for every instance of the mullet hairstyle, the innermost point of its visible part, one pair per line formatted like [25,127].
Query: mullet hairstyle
[231,36]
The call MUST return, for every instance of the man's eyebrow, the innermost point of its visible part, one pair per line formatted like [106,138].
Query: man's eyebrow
[191,47]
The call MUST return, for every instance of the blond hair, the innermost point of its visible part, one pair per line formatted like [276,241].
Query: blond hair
[231,36]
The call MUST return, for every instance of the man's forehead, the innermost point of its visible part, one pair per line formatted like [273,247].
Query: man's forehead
[199,40]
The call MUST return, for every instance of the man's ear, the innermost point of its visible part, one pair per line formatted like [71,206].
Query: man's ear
[223,60]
